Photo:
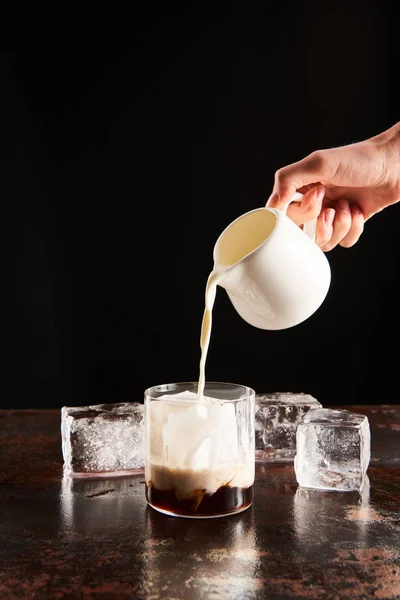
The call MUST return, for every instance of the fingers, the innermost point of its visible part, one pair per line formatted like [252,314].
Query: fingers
[324,229]
[315,168]
[309,208]
[356,229]
[341,225]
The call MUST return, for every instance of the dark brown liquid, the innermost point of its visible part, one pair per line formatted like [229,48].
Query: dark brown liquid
[224,501]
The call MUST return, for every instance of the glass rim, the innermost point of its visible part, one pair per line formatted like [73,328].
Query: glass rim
[248,391]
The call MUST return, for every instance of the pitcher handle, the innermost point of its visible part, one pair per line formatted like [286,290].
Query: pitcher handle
[309,228]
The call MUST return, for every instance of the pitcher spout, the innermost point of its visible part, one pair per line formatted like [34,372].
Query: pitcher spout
[230,278]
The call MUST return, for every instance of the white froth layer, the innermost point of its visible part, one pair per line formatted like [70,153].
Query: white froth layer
[190,396]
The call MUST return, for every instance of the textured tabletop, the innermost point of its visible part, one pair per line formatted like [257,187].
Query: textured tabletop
[97,539]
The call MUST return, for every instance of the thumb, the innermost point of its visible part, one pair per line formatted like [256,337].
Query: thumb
[293,177]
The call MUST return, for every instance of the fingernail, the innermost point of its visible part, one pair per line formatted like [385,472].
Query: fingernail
[273,199]
[329,215]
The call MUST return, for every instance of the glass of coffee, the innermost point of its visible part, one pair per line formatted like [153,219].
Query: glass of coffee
[199,451]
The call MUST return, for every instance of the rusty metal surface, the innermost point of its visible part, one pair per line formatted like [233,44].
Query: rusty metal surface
[97,539]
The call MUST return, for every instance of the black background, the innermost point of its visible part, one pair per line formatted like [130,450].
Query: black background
[130,140]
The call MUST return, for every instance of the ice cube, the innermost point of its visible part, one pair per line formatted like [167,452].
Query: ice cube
[277,417]
[332,450]
[104,438]
[187,434]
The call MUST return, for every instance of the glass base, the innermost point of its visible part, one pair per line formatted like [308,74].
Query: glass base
[223,502]
[173,514]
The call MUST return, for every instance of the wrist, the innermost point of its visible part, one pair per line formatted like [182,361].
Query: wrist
[387,145]
[394,139]
[390,138]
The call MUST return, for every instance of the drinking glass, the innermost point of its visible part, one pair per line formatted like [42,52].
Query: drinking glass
[199,452]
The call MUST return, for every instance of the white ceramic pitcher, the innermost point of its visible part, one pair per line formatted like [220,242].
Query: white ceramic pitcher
[274,273]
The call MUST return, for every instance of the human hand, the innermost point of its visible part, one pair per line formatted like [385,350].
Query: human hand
[342,187]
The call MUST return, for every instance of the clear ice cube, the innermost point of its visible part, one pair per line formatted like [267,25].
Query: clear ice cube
[192,434]
[104,438]
[277,417]
[333,450]
[200,435]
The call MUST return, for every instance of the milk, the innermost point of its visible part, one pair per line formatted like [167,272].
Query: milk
[186,481]
[211,290]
